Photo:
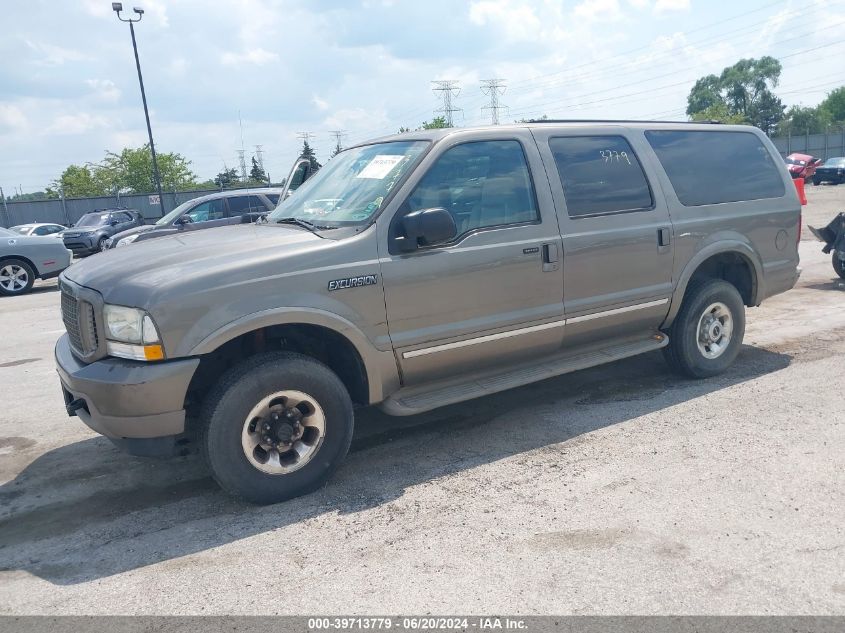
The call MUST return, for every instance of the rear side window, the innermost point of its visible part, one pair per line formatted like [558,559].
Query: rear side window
[600,174]
[715,167]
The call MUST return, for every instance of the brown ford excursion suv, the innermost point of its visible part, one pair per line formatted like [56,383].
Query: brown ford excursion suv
[421,270]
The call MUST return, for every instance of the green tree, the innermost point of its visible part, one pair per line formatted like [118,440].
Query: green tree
[802,120]
[718,112]
[257,173]
[742,90]
[834,105]
[78,181]
[132,170]
[437,123]
[226,178]
[308,152]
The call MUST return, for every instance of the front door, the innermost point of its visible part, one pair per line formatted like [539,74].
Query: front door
[617,234]
[205,215]
[493,295]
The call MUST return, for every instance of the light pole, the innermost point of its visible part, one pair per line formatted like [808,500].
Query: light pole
[117,7]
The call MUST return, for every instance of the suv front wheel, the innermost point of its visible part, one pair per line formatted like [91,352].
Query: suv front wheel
[706,336]
[276,427]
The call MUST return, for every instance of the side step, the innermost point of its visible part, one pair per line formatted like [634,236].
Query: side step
[413,400]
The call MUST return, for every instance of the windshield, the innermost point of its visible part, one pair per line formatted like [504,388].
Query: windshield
[23,230]
[93,219]
[835,162]
[352,185]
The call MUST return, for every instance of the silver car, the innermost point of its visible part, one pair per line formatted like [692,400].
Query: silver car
[25,258]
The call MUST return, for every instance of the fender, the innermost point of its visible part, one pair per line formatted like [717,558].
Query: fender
[382,372]
[732,244]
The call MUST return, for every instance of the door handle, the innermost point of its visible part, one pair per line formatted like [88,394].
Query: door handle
[550,258]
[664,237]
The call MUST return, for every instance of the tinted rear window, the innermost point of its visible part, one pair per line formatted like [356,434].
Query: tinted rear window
[714,167]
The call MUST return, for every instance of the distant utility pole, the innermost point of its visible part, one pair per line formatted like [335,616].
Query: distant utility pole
[338,137]
[304,136]
[447,88]
[494,88]
[241,151]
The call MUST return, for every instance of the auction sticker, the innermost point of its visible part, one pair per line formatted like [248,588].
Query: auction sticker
[380,166]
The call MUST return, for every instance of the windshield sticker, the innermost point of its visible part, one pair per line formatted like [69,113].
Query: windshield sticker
[380,166]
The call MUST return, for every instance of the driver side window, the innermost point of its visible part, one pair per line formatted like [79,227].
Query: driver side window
[206,211]
[481,184]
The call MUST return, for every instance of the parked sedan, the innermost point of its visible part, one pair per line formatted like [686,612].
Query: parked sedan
[831,170]
[217,209]
[802,165]
[39,228]
[92,230]
[24,258]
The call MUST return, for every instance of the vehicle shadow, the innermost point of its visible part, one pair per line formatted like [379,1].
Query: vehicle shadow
[86,511]
[834,284]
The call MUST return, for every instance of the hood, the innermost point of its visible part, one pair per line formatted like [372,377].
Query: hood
[138,229]
[132,275]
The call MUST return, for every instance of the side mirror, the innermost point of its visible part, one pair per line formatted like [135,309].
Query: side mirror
[427,227]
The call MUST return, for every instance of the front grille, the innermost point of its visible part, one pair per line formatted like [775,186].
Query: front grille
[78,317]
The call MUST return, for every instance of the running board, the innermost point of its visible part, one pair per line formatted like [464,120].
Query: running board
[413,400]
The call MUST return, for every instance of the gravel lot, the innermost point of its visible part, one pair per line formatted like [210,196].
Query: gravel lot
[621,489]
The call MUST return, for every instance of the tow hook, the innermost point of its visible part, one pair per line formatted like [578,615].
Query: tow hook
[74,406]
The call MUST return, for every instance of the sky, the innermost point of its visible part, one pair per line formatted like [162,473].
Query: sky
[69,91]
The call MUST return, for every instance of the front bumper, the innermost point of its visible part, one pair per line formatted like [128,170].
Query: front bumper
[82,244]
[124,399]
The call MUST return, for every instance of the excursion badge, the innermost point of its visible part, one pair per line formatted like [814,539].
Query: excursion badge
[353,282]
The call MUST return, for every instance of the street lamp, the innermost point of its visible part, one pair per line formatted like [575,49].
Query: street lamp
[117,7]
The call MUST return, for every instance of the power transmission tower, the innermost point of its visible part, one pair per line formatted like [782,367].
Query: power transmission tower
[447,88]
[494,88]
[259,157]
[338,137]
[242,161]
[304,136]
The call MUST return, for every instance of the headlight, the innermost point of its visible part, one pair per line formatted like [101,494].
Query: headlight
[131,333]
[128,239]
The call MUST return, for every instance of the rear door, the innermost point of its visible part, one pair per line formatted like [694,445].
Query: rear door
[493,295]
[617,234]
[245,209]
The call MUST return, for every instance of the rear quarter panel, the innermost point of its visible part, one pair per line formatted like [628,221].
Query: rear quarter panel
[764,231]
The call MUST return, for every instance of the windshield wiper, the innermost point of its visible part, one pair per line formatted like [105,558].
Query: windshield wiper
[306,224]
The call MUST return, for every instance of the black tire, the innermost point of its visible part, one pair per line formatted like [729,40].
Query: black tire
[101,244]
[231,401]
[683,353]
[17,267]
[838,264]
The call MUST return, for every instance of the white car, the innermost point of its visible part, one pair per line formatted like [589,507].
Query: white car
[25,258]
[39,228]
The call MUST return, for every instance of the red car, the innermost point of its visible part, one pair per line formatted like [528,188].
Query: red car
[802,165]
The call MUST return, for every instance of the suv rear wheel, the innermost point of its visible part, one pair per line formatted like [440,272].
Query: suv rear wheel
[707,334]
[277,426]
[839,263]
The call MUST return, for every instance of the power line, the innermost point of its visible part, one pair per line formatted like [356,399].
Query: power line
[494,88]
[447,88]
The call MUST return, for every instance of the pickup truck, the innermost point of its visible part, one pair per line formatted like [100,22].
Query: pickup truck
[421,270]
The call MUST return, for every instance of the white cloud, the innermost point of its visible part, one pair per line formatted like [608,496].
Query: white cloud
[52,55]
[256,56]
[320,104]
[595,10]
[69,124]
[12,117]
[517,19]
[667,6]
[104,89]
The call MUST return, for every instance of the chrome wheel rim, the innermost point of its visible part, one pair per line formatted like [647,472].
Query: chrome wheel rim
[715,328]
[13,278]
[283,432]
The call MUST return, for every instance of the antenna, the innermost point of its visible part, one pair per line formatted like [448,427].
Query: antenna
[447,88]
[338,137]
[494,88]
